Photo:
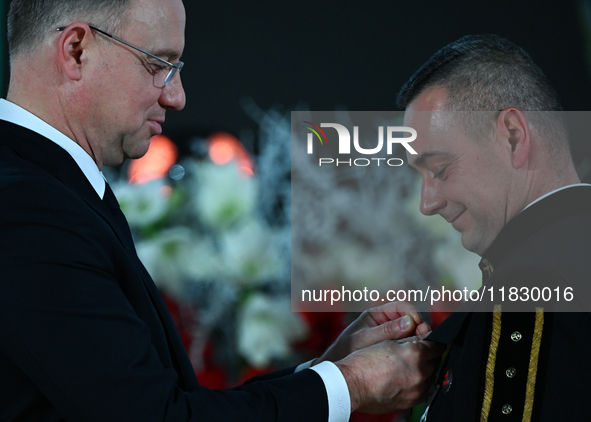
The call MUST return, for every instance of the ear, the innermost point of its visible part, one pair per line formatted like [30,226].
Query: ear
[72,45]
[514,133]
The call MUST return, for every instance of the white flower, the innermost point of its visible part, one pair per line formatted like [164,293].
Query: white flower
[266,329]
[458,263]
[251,253]
[348,263]
[142,204]
[362,266]
[224,195]
[450,257]
[176,256]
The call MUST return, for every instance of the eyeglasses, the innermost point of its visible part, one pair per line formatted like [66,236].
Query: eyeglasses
[161,78]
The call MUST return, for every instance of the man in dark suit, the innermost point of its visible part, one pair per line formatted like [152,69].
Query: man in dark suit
[84,334]
[494,157]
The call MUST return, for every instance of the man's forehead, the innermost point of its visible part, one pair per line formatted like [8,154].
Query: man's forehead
[160,8]
[430,99]
[158,26]
[430,121]
[429,109]
[428,114]
[161,16]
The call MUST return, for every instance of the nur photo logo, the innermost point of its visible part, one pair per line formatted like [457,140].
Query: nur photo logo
[387,135]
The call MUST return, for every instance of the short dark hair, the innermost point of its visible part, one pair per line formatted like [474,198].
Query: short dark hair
[31,21]
[490,73]
[484,73]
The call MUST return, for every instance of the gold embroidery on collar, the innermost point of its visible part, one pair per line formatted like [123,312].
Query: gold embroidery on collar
[533,365]
[485,265]
[490,364]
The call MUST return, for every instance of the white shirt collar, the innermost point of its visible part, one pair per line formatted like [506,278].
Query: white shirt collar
[554,191]
[12,113]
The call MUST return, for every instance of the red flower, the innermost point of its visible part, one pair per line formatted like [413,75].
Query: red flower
[211,375]
[324,328]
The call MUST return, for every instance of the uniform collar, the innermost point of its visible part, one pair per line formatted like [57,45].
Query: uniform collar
[565,201]
[12,113]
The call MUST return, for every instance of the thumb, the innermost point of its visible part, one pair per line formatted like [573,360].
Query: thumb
[391,330]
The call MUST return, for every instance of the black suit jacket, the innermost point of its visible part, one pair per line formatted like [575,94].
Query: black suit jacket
[522,366]
[84,333]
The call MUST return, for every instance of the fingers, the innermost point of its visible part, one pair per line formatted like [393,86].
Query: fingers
[390,330]
[422,329]
[392,311]
[391,321]
[414,339]
[391,375]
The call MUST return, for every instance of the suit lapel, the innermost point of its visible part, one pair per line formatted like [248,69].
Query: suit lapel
[50,157]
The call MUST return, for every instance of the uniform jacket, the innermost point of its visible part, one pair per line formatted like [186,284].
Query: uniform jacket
[84,333]
[521,366]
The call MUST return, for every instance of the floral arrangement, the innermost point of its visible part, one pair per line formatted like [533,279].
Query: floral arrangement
[216,238]
[208,247]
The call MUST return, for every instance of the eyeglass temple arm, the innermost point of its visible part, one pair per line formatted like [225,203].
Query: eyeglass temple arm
[127,44]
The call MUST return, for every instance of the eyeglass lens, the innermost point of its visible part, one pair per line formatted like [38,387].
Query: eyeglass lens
[162,79]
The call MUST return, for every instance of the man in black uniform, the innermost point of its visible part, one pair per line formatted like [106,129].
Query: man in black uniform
[494,157]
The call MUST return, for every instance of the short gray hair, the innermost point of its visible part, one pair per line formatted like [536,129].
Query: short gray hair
[490,73]
[31,21]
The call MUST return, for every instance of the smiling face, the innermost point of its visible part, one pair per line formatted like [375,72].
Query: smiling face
[466,182]
[124,108]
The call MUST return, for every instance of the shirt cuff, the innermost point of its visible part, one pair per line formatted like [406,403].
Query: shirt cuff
[339,401]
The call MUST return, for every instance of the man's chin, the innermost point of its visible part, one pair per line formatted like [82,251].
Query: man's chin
[475,244]
[469,243]
[139,151]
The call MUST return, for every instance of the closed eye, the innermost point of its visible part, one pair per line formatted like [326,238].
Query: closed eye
[154,68]
[441,173]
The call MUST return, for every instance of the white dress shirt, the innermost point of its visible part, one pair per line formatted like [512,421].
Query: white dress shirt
[339,401]
[19,116]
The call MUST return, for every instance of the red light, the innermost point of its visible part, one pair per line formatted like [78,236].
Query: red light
[221,152]
[224,147]
[160,157]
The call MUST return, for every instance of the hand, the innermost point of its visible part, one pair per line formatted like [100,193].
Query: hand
[392,321]
[391,375]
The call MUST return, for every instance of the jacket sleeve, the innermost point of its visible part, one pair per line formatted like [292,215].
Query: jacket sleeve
[75,339]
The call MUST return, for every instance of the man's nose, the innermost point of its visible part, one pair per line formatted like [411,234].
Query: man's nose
[172,96]
[431,200]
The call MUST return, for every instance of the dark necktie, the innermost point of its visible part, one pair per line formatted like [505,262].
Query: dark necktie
[111,203]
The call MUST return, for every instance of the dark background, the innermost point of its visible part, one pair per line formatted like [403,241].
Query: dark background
[353,54]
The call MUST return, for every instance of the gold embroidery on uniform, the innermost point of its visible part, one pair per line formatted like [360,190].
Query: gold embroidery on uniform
[487,266]
[490,365]
[533,365]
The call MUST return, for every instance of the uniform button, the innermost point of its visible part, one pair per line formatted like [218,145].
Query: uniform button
[511,372]
[516,336]
[507,409]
